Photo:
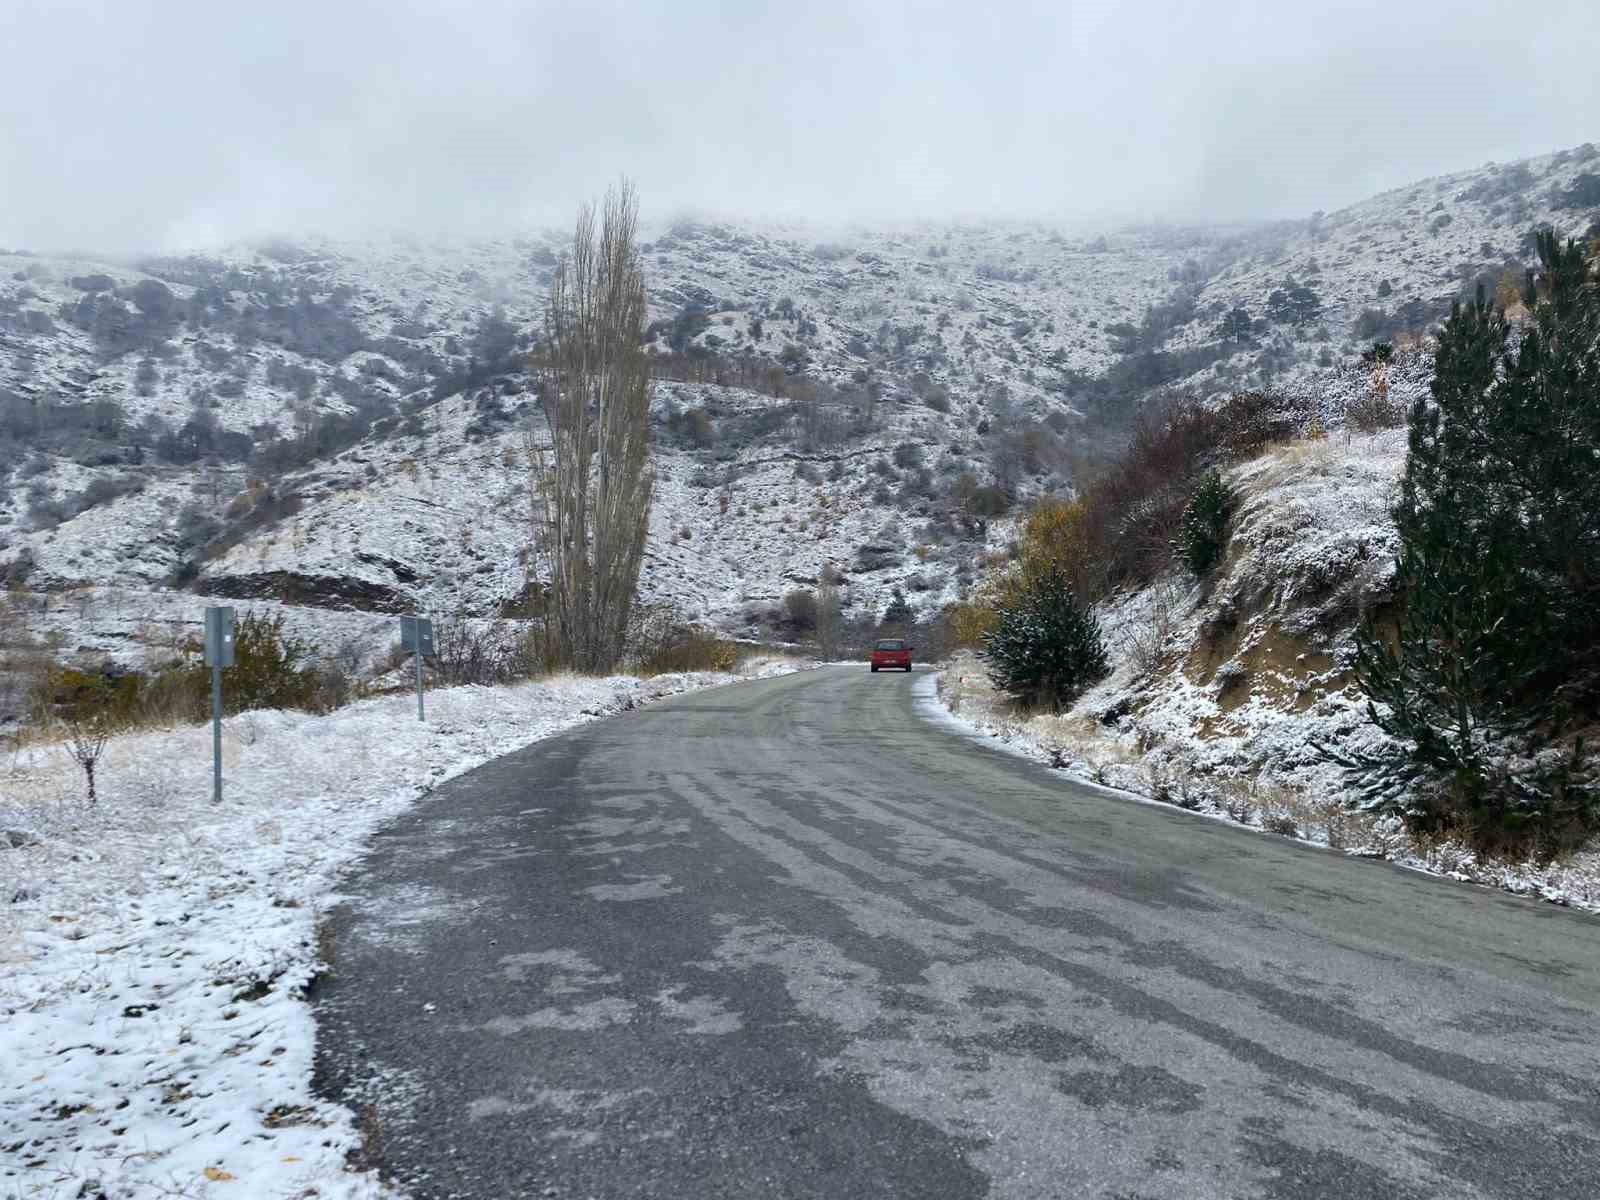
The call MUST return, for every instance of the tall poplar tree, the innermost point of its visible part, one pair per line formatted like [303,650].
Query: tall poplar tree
[593,491]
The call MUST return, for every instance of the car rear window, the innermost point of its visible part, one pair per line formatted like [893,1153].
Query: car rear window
[890,644]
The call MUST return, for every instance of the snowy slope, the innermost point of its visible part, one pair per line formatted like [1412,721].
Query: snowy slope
[1006,325]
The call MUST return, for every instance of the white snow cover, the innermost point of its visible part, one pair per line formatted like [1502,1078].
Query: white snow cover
[154,948]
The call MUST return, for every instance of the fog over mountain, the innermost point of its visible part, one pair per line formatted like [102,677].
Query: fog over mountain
[157,125]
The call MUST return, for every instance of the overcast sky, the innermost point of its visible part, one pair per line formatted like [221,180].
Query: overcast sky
[144,124]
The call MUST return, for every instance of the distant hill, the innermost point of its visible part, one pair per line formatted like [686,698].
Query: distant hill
[343,425]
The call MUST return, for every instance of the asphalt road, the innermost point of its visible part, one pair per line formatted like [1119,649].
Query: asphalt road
[790,939]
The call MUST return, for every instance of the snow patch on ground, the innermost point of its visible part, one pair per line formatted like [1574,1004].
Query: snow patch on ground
[156,948]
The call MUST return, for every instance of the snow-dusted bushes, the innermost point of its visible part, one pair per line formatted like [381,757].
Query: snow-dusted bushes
[1045,647]
[469,651]
[1178,772]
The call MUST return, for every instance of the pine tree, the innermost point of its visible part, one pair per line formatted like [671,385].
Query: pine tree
[1203,536]
[1236,326]
[1045,647]
[898,613]
[1495,665]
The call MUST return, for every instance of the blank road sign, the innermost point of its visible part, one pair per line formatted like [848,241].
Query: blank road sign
[219,637]
[416,634]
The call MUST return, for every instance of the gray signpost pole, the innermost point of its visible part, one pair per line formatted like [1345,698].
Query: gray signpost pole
[416,635]
[219,654]
[216,734]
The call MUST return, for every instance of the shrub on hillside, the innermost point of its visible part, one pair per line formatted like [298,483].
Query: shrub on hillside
[800,607]
[968,623]
[989,501]
[1045,647]
[898,614]
[1203,535]
[907,454]
[1132,512]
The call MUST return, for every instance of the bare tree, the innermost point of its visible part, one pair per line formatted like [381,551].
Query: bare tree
[592,492]
[88,720]
[1144,637]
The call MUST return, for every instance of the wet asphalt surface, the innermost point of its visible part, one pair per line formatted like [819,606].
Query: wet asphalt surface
[789,938]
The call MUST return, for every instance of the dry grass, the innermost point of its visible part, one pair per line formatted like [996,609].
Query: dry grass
[1288,811]
[1286,461]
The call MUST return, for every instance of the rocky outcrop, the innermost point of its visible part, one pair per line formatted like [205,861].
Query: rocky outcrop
[319,591]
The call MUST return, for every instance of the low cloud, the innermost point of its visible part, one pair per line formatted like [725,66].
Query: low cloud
[164,124]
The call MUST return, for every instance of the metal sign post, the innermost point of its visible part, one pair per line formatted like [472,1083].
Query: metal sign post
[416,635]
[219,654]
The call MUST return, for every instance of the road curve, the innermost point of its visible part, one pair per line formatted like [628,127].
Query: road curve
[789,938]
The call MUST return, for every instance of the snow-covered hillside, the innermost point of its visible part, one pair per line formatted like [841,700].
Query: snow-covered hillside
[343,424]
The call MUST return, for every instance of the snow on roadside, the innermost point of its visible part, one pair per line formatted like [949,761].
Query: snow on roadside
[960,699]
[154,949]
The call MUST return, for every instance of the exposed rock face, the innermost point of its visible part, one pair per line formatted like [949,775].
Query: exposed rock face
[321,591]
[401,571]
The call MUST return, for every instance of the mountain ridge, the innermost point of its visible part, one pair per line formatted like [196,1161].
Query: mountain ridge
[275,421]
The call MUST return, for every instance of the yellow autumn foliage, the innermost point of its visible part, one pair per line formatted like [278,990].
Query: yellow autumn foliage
[1054,538]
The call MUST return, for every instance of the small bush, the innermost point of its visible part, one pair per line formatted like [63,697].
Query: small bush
[1281,823]
[271,669]
[1045,647]
[969,623]
[469,651]
[800,606]
[990,501]
[104,488]
[688,649]
[1375,411]
[1203,535]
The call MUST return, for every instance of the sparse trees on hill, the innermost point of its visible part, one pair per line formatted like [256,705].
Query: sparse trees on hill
[1293,304]
[1584,192]
[593,491]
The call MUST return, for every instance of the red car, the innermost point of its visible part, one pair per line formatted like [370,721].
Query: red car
[892,652]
